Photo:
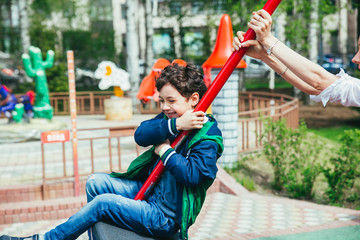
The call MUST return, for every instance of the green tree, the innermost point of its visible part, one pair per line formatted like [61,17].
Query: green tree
[9,33]
[356,5]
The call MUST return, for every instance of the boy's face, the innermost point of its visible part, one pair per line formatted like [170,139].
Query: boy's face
[173,104]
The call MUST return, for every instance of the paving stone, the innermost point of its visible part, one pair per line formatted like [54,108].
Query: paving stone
[224,216]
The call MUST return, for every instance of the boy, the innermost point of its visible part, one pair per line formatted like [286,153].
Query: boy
[177,198]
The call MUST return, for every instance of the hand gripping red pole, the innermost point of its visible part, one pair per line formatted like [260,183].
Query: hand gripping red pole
[207,99]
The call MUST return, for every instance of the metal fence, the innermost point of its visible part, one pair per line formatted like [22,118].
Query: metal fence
[97,146]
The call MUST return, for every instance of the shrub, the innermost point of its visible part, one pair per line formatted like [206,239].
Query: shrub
[345,167]
[276,140]
[293,156]
[248,183]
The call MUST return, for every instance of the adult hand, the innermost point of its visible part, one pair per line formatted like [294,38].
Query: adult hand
[255,49]
[190,120]
[261,24]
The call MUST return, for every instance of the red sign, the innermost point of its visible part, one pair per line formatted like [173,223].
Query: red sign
[55,136]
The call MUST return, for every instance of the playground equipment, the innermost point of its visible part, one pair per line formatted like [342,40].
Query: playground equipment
[147,88]
[7,101]
[24,108]
[120,107]
[35,68]
[110,75]
[225,105]
[18,112]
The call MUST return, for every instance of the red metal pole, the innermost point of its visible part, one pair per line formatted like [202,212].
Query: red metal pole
[207,99]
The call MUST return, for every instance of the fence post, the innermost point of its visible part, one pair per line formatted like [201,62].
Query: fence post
[72,96]
[43,170]
[92,105]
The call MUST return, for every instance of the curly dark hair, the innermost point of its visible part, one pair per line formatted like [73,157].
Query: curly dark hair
[187,80]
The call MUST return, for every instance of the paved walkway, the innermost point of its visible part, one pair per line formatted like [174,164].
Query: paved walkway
[241,215]
[21,162]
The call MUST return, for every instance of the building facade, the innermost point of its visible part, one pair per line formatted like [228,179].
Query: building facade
[178,25]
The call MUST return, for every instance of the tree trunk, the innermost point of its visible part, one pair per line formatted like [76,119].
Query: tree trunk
[2,47]
[343,28]
[313,31]
[24,25]
[118,41]
[11,32]
[313,38]
[149,36]
[132,48]
[297,45]
[358,20]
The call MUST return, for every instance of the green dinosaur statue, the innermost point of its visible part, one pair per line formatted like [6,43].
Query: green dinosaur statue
[35,68]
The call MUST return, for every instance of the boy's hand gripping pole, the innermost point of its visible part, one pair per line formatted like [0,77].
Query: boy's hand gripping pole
[207,99]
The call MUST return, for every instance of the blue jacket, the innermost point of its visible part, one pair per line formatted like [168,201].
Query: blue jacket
[184,167]
[190,171]
[192,168]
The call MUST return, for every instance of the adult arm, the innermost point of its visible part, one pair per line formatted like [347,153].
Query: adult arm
[309,72]
[255,50]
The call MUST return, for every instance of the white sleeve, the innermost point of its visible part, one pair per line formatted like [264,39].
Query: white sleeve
[345,90]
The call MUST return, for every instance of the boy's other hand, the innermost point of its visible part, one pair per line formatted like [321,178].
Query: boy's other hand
[190,120]
[160,146]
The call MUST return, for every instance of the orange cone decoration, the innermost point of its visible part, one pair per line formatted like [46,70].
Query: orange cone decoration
[180,62]
[147,87]
[222,50]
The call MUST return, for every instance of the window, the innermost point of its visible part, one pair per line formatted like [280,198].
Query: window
[101,10]
[197,7]
[69,9]
[123,11]
[175,7]
[218,6]
[193,42]
[163,44]
[334,42]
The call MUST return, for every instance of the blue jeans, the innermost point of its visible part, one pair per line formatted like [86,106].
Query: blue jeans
[111,199]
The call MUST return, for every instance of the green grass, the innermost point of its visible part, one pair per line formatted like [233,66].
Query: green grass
[251,84]
[332,133]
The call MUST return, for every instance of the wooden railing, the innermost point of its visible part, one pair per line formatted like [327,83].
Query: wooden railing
[150,107]
[86,102]
[254,107]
